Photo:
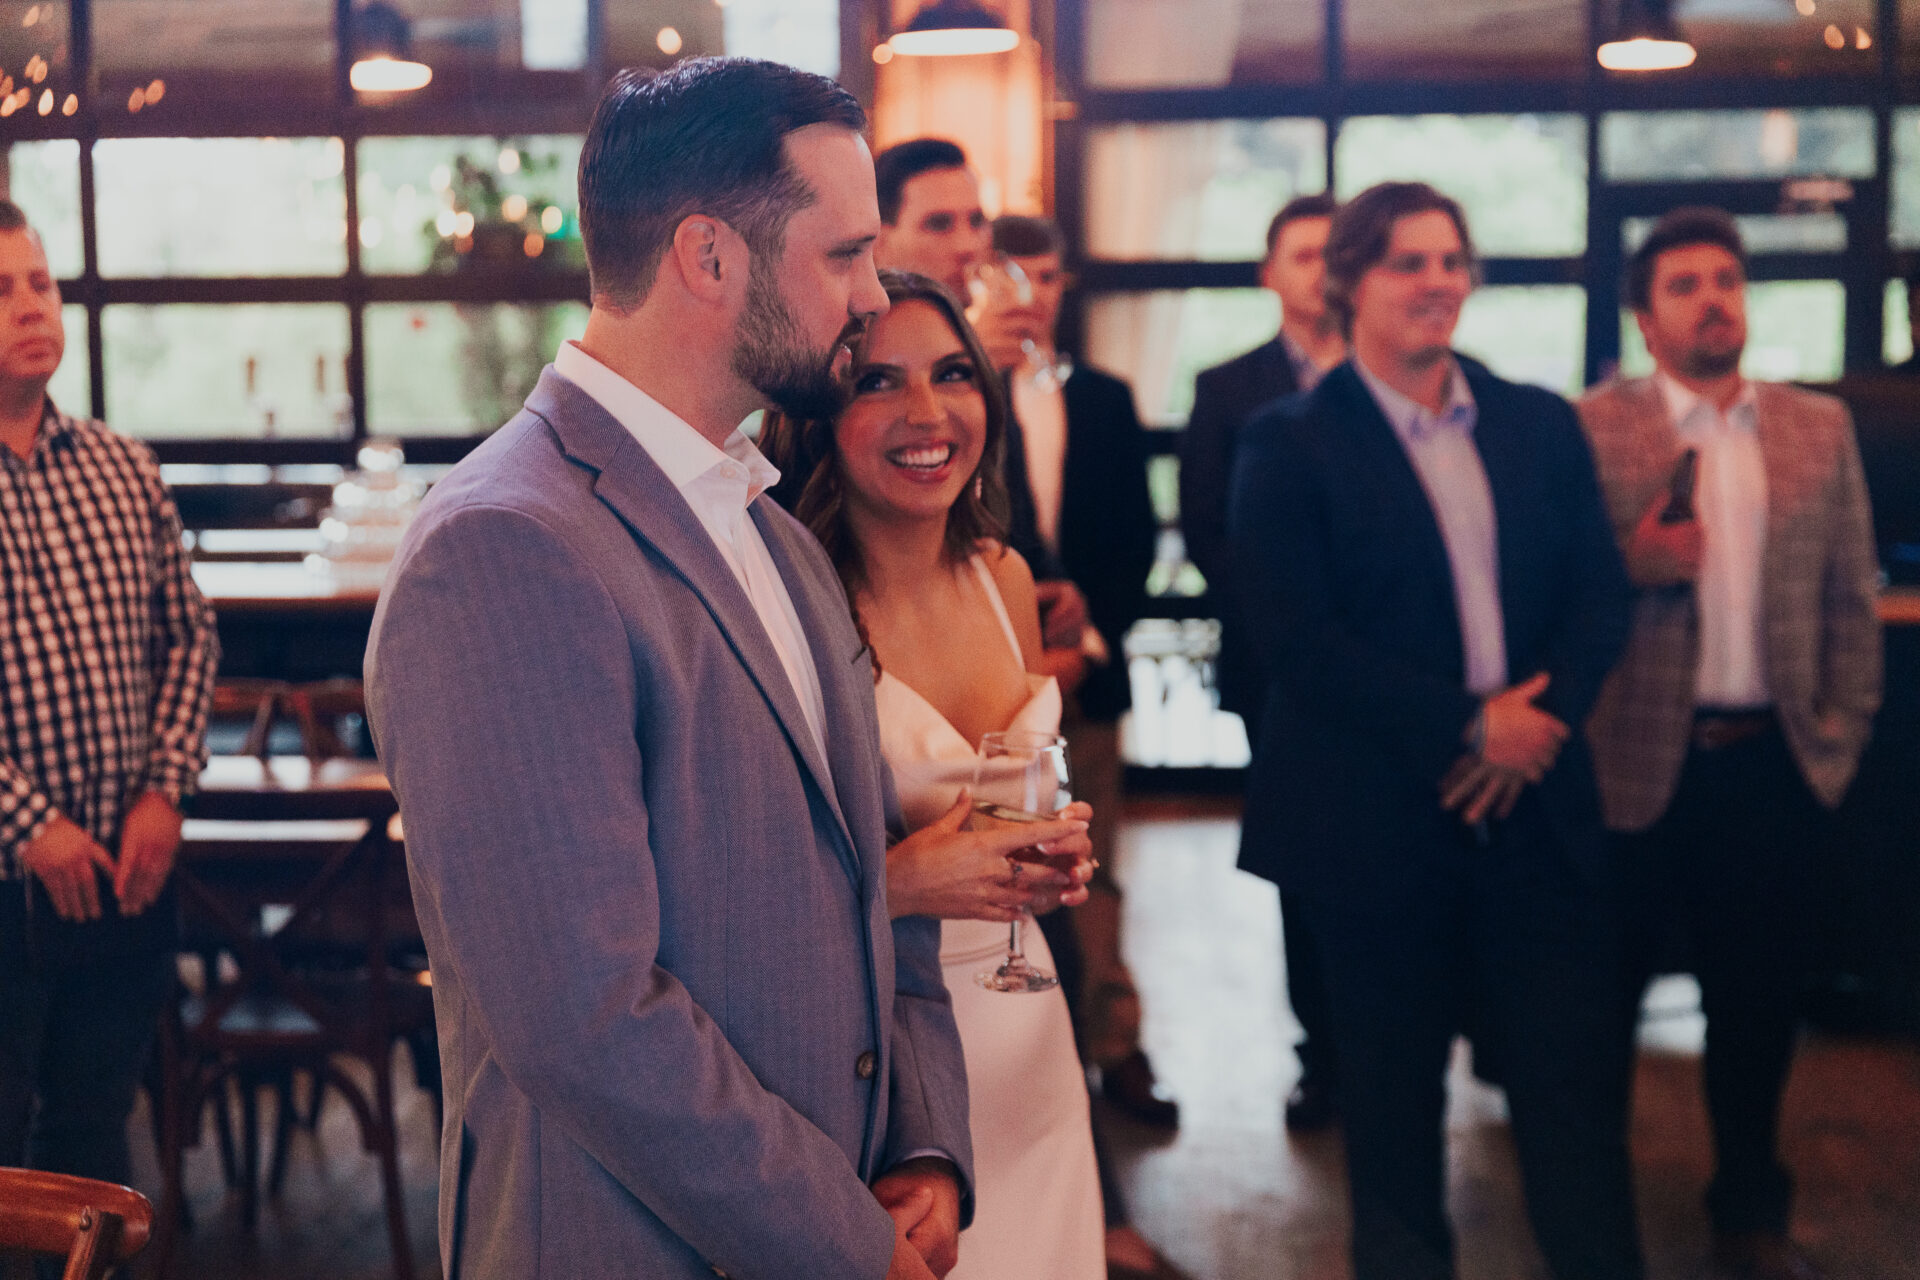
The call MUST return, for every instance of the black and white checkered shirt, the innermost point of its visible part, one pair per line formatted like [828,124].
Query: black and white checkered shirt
[107,649]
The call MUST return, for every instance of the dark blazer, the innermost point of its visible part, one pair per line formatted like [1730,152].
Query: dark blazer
[1224,398]
[1346,586]
[1107,525]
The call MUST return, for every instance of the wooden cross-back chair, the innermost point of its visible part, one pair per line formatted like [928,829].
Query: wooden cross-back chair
[93,1225]
[289,875]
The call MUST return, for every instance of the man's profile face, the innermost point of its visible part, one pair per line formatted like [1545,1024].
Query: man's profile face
[1297,269]
[1408,303]
[804,308]
[31,337]
[942,230]
[1695,324]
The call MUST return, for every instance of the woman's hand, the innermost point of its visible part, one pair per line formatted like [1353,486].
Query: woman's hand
[953,874]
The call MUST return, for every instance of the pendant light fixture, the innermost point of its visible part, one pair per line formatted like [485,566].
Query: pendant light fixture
[950,28]
[383,62]
[1647,40]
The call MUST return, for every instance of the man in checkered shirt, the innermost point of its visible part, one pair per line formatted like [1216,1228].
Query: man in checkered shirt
[107,656]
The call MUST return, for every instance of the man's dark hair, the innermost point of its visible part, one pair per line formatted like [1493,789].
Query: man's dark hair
[1020,236]
[1678,229]
[702,137]
[1320,205]
[902,162]
[12,217]
[1363,228]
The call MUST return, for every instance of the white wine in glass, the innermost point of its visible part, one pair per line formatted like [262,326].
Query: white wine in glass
[1019,778]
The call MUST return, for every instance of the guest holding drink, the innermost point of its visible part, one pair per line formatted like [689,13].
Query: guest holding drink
[906,494]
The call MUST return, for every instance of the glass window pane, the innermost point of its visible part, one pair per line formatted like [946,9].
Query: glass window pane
[1136,44]
[220,206]
[800,33]
[227,53]
[1390,39]
[1906,173]
[518,195]
[36,74]
[1796,331]
[1766,233]
[1528,333]
[1897,346]
[458,369]
[1159,340]
[1653,145]
[252,370]
[43,178]
[69,385]
[1522,179]
[1200,190]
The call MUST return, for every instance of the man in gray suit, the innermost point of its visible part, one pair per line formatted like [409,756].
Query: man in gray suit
[631,727]
[1750,680]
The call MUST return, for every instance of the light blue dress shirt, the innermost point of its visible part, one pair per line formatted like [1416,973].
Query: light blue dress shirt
[1440,447]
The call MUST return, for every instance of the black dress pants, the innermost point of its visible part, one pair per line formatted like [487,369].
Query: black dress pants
[1730,868]
[79,1004]
[1515,935]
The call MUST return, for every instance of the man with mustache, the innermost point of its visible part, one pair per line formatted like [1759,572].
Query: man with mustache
[107,659]
[1750,681]
[631,726]
[1424,560]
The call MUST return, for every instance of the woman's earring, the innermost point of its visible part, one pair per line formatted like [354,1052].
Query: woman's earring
[979,487]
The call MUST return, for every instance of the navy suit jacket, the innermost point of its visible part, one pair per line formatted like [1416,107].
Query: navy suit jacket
[1225,398]
[1347,590]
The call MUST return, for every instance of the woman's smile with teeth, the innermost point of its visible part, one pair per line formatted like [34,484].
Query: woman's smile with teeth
[922,457]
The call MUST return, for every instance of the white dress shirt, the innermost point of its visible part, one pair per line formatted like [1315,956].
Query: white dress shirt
[1442,451]
[1042,415]
[719,485]
[1731,498]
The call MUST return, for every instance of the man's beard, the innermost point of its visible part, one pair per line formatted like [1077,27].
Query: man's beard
[1705,359]
[771,356]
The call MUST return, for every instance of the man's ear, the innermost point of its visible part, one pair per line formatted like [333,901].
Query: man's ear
[710,256]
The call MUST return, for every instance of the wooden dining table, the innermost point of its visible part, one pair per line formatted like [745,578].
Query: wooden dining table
[281,620]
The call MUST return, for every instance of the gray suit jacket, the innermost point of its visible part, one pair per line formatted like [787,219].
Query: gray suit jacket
[1818,586]
[680,1033]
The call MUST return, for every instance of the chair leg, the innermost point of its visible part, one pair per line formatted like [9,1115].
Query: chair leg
[387,1143]
[249,1086]
[285,1116]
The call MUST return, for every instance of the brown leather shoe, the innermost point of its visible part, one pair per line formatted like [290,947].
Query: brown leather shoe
[1129,1085]
[1761,1255]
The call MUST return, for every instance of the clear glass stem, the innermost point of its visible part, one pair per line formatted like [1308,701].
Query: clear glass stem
[1014,954]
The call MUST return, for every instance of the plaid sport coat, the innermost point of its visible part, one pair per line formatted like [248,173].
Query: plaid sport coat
[1819,583]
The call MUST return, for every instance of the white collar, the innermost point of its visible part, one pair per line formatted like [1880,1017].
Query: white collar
[670,440]
[1412,420]
[1683,401]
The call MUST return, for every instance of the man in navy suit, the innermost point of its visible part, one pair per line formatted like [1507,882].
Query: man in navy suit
[1426,563]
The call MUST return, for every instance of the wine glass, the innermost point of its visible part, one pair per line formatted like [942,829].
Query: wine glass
[999,284]
[1020,777]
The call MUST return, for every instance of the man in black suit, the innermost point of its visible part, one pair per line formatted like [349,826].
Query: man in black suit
[1224,397]
[1427,567]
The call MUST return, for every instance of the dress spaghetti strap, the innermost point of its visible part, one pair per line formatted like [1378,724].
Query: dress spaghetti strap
[999,608]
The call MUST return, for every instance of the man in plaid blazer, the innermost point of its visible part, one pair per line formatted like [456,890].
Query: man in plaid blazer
[1750,680]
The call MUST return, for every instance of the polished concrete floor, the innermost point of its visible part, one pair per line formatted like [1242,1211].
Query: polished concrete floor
[1232,1197]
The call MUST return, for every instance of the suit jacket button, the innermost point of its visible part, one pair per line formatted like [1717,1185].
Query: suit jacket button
[865,1065]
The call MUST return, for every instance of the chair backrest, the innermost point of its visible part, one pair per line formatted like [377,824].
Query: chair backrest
[93,1225]
[303,893]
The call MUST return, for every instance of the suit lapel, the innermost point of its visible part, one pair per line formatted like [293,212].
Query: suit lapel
[850,760]
[1386,460]
[637,491]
